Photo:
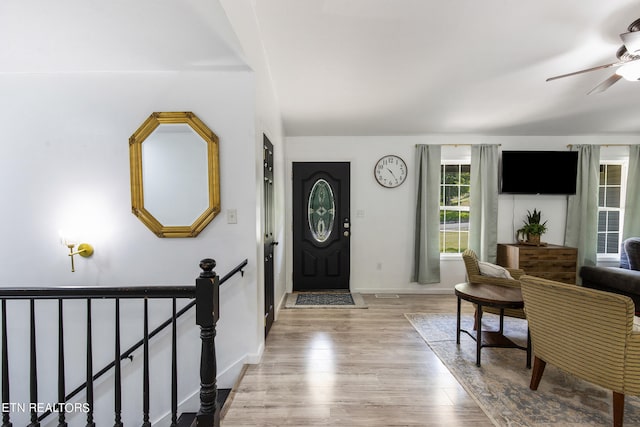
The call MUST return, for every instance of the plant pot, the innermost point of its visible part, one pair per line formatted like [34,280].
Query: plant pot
[534,239]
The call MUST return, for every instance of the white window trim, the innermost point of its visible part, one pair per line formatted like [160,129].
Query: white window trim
[456,159]
[624,162]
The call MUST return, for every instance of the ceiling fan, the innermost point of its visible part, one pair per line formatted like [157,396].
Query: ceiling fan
[628,60]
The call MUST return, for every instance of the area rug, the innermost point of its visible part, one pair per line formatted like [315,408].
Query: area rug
[324,300]
[501,385]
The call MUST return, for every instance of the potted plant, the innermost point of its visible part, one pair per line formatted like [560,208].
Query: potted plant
[533,228]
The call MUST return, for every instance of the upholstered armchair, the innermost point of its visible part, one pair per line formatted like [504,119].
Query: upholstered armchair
[630,253]
[474,275]
[585,332]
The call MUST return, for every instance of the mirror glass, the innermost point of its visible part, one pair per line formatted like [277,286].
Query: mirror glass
[174,174]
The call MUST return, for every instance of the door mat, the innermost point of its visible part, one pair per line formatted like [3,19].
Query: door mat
[324,300]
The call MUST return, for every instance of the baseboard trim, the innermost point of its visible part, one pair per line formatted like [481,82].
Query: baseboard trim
[426,291]
[281,304]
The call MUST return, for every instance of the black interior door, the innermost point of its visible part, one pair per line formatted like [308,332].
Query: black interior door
[321,226]
[269,238]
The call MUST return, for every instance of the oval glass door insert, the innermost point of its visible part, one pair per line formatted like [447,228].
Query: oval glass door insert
[322,210]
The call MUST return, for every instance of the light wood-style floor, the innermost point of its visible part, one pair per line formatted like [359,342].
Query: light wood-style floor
[353,367]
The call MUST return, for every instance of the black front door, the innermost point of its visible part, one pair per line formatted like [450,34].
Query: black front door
[269,238]
[321,226]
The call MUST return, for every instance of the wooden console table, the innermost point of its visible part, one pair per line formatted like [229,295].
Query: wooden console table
[551,262]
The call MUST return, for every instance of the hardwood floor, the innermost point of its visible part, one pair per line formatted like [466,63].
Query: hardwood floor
[353,367]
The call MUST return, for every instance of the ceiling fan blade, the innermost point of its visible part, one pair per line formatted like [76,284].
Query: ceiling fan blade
[605,84]
[599,67]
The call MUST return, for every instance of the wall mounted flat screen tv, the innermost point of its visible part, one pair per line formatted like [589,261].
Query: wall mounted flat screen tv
[539,172]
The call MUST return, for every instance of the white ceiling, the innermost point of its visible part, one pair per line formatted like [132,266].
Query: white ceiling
[72,36]
[361,67]
[393,67]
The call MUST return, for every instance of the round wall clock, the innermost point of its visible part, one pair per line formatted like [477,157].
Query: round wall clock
[390,171]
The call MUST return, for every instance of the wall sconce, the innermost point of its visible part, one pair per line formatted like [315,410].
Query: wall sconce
[84,250]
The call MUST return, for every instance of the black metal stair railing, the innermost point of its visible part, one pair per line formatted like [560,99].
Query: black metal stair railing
[205,295]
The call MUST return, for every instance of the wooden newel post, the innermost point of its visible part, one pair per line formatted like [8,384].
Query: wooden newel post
[207,314]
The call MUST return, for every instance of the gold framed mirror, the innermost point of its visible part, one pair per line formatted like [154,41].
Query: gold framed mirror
[175,178]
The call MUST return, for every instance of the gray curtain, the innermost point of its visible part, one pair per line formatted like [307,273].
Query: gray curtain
[427,249]
[582,208]
[483,221]
[632,203]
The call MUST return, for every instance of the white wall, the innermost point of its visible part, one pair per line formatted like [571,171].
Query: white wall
[382,219]
[64,162]
[241,14]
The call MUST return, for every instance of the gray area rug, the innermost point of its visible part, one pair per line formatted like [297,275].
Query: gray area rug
[501,385]
[324,300]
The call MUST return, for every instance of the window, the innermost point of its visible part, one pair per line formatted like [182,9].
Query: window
[610,210]
[454,207]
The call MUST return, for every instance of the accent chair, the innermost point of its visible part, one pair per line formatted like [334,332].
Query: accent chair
[475,276]
[585,332]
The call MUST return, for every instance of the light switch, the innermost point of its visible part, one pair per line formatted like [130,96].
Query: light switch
[232,216]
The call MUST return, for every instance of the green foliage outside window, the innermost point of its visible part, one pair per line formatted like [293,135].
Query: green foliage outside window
[454,207]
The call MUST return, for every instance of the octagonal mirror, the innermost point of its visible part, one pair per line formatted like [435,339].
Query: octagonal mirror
[175,185]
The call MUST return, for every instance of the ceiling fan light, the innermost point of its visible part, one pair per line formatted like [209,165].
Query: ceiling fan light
[631,41]
[630,71]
